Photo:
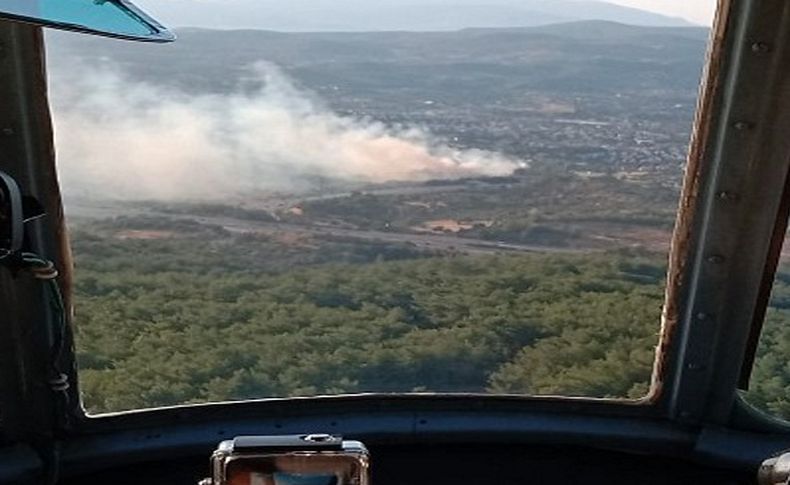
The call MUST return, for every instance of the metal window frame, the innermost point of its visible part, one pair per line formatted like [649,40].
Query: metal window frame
[732,201]
[721,258]
[27,154]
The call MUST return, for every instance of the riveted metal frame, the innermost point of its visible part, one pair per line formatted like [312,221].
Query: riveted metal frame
[733,194]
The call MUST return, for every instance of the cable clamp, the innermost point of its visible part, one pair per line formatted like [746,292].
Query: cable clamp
[60,383]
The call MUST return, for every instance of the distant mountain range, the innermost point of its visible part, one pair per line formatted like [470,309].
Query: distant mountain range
[389,15]
[459,67]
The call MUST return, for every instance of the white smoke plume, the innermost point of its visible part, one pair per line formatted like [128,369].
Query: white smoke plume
[127,139]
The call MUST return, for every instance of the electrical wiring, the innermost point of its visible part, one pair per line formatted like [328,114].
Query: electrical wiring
[45,270]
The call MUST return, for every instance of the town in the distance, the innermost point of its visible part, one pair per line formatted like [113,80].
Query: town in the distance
[473,210]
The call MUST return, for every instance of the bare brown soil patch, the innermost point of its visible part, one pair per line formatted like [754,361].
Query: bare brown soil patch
[449,225]
[144,234]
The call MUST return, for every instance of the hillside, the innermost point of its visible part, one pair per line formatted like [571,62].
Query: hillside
[411,15]
[593,57]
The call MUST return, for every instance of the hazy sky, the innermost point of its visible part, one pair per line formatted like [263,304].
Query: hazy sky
[697,11]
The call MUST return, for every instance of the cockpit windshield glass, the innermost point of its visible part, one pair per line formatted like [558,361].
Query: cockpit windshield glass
[312,198]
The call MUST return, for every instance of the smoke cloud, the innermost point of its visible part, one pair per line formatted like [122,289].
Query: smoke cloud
[127,139]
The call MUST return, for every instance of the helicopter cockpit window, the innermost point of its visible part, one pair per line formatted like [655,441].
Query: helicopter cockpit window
[360,197]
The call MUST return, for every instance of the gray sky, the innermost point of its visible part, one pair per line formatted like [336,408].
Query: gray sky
[696,11]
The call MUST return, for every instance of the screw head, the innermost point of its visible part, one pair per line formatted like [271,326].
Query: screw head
[727,195]
[761,47]
[742,125]
[716,259]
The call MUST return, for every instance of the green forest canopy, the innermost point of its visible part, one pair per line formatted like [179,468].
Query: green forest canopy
[210,316]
